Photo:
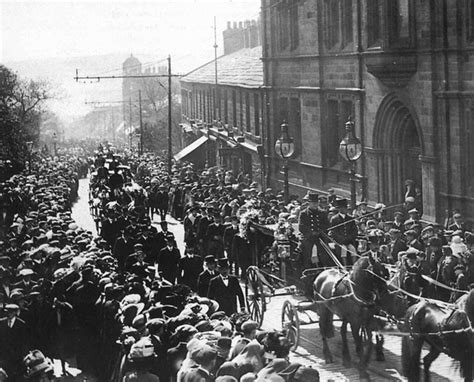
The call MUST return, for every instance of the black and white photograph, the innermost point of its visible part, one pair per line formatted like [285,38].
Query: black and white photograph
[236,190]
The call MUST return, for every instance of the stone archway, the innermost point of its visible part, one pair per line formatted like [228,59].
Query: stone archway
[399,144]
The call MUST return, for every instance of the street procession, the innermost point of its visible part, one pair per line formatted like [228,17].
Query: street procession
[236,191]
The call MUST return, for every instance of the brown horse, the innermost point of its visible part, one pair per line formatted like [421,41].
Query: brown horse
[446,330]
[353,298]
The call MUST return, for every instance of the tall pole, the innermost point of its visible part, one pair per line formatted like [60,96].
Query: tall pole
[140,150]
[353,180]
[286,184]
[113,126]
[217,101]
[130,122]
[169,114]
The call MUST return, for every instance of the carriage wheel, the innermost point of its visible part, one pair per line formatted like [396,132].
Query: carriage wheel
[256,304]
[290,323]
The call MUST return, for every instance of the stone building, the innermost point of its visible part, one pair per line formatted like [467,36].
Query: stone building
[403,69]
[224,102]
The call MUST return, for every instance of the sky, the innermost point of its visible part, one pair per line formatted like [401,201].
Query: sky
[36,36]
[42,29]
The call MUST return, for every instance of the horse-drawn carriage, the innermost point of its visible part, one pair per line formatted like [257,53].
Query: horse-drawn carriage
[366,297]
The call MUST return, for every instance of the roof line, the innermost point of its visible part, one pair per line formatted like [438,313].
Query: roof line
[202,66]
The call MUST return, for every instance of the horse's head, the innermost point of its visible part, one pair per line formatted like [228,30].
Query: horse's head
[393,302]
[378,272]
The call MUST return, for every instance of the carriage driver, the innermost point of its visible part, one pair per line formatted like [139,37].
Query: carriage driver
[313,223]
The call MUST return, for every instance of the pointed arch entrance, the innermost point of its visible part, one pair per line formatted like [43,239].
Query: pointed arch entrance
[398,140]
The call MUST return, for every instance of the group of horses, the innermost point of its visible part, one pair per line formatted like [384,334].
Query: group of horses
[366,298]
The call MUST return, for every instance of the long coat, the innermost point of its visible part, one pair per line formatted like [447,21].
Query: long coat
[13,345]
[203,282]
[189,269]
[226,296]
[168,263]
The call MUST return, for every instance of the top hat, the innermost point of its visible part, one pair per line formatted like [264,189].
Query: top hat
[341,203]
[223,262]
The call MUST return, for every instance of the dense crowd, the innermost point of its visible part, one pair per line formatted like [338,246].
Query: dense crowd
[127,305]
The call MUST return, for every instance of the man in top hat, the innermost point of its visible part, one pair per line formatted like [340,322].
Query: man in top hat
[202,224]
[373,243]
[226,290]
[344,233]
[190,225]
[162,235]
[168,260]
[215,237]
[206,275]
[313,224]
[230,231]
[189,268]
[412,282]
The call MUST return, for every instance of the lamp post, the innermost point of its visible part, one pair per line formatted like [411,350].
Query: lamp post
[285,148]
[29,147]
[55,143]
[350,149]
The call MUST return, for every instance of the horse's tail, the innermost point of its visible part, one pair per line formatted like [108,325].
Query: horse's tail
[410,359]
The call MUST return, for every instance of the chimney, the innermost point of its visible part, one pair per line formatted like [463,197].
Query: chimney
[229,25]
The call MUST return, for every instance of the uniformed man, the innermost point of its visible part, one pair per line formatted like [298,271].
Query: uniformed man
[312,225]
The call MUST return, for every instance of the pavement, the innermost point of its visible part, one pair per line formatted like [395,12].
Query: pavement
[310,350]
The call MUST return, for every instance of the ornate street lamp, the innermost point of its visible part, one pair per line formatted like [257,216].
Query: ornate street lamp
[55,143]
[285,148]
[29,147]
[350,149]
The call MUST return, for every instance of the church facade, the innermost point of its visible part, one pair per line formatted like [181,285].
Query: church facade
[402,69]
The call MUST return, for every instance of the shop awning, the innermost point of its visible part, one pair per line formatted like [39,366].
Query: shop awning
[191,148]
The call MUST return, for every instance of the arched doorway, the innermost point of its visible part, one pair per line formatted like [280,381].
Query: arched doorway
[397,140]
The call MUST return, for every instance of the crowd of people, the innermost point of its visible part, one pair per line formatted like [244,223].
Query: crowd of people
[129,305]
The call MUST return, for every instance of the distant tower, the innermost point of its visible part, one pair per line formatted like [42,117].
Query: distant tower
[130,86]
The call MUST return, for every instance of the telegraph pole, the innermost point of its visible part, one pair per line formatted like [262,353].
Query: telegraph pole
[169,115]
[140,151]
[217,101]
[130,122]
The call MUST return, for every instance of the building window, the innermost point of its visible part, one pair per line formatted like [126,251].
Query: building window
[374,28]
[294,33]
[287,24]
[333,22]
[338,113]
[241,111]
[282,25]
[398,16]
[234,108]
[256,110]
[470,20]
[347,27]
[248,127]
[226,107]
